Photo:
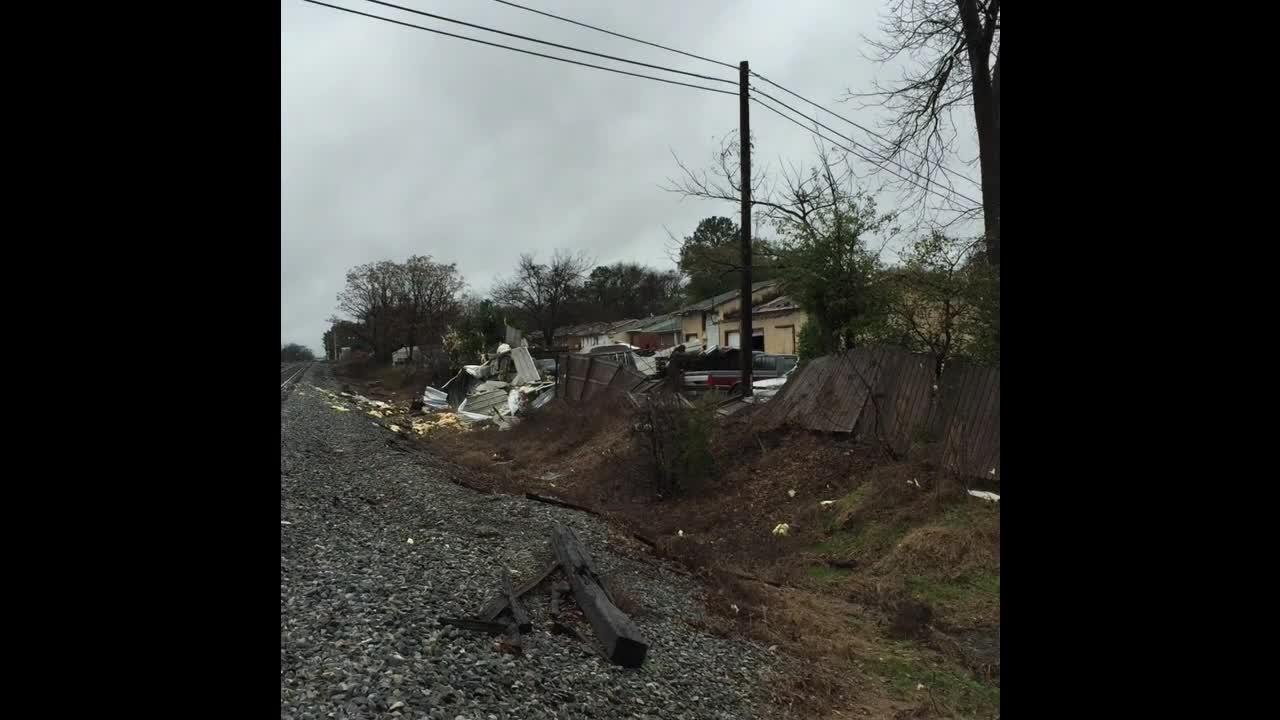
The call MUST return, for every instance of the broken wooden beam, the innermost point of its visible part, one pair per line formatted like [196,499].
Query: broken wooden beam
[513,602]
[556,591]
[559,503]
[499,602]
[617,633]
[493,628]
[753,578]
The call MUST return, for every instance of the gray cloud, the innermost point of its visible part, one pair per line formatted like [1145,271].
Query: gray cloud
[397,142]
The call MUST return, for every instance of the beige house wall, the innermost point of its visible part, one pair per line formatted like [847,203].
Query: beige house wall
[691,325]
[781,330]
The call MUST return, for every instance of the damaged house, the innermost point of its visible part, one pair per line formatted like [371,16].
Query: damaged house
[656,333]
[776,320]
[581,338]
[775,326]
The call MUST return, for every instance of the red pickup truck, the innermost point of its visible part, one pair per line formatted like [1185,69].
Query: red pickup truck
[763,367]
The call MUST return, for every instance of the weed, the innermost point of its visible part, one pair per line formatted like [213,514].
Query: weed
[677,439]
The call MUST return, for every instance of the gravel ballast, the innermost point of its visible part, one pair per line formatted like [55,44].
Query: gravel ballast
[359,603]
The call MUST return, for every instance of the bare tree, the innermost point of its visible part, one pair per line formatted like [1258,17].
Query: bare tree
[370,299]
[428,295]
[939,300]
[293,352]
[795,200]
[829,238]
[542,293]
[954,46]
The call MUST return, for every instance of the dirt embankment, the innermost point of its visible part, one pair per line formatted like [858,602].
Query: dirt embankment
[886,578]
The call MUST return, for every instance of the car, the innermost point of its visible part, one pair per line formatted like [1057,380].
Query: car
[614,349]
[764,366]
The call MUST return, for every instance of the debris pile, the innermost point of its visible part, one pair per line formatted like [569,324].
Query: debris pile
[505,615]
[500,391]
[395,418]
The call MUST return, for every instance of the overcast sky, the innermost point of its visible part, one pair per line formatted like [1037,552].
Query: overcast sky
[397,142]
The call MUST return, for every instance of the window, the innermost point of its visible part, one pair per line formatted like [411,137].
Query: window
[690,337]
[757,343]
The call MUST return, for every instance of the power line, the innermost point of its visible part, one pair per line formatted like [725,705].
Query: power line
[857,144]
[869,131]
[863,128]
[546,42]
[946,171]
[790,119]
[650,77]
[520,50]
[878,154]
[615,34]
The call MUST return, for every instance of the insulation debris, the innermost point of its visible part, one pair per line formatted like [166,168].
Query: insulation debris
[510,384]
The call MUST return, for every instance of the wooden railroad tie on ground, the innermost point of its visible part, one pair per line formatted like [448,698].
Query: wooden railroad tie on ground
[617,633]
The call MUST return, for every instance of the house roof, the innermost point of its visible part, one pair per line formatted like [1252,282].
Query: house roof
[593,328]
[782,303]
[778,304]
[621,325]
[669,322]
[723,298]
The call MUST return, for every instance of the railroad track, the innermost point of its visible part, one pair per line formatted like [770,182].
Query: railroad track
[290,374]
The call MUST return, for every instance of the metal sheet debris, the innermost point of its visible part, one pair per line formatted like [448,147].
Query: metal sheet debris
[543,397]
[526,369]
[435,399]
[483,402]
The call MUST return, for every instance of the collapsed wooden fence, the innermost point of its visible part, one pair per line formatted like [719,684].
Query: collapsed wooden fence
[891,397]
[881,395]
[584,378]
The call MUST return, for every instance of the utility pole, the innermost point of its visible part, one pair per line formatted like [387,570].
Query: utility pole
[334,341]
[744,312]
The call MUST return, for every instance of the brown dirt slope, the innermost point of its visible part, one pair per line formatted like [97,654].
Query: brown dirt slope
[886,581]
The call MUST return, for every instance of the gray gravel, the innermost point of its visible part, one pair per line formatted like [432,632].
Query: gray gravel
[358,602]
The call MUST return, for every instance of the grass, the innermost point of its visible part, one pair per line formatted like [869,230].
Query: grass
[863,538]
[955,693]
[867,538]
[836,514]
[962,590]
[969,513]
[826,573]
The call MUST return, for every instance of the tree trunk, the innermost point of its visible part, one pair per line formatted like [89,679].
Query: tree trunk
[986,111]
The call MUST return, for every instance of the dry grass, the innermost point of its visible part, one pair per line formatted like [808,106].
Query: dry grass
[388,382]
[570,453]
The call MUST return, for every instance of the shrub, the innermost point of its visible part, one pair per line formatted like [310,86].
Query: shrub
[675,437]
